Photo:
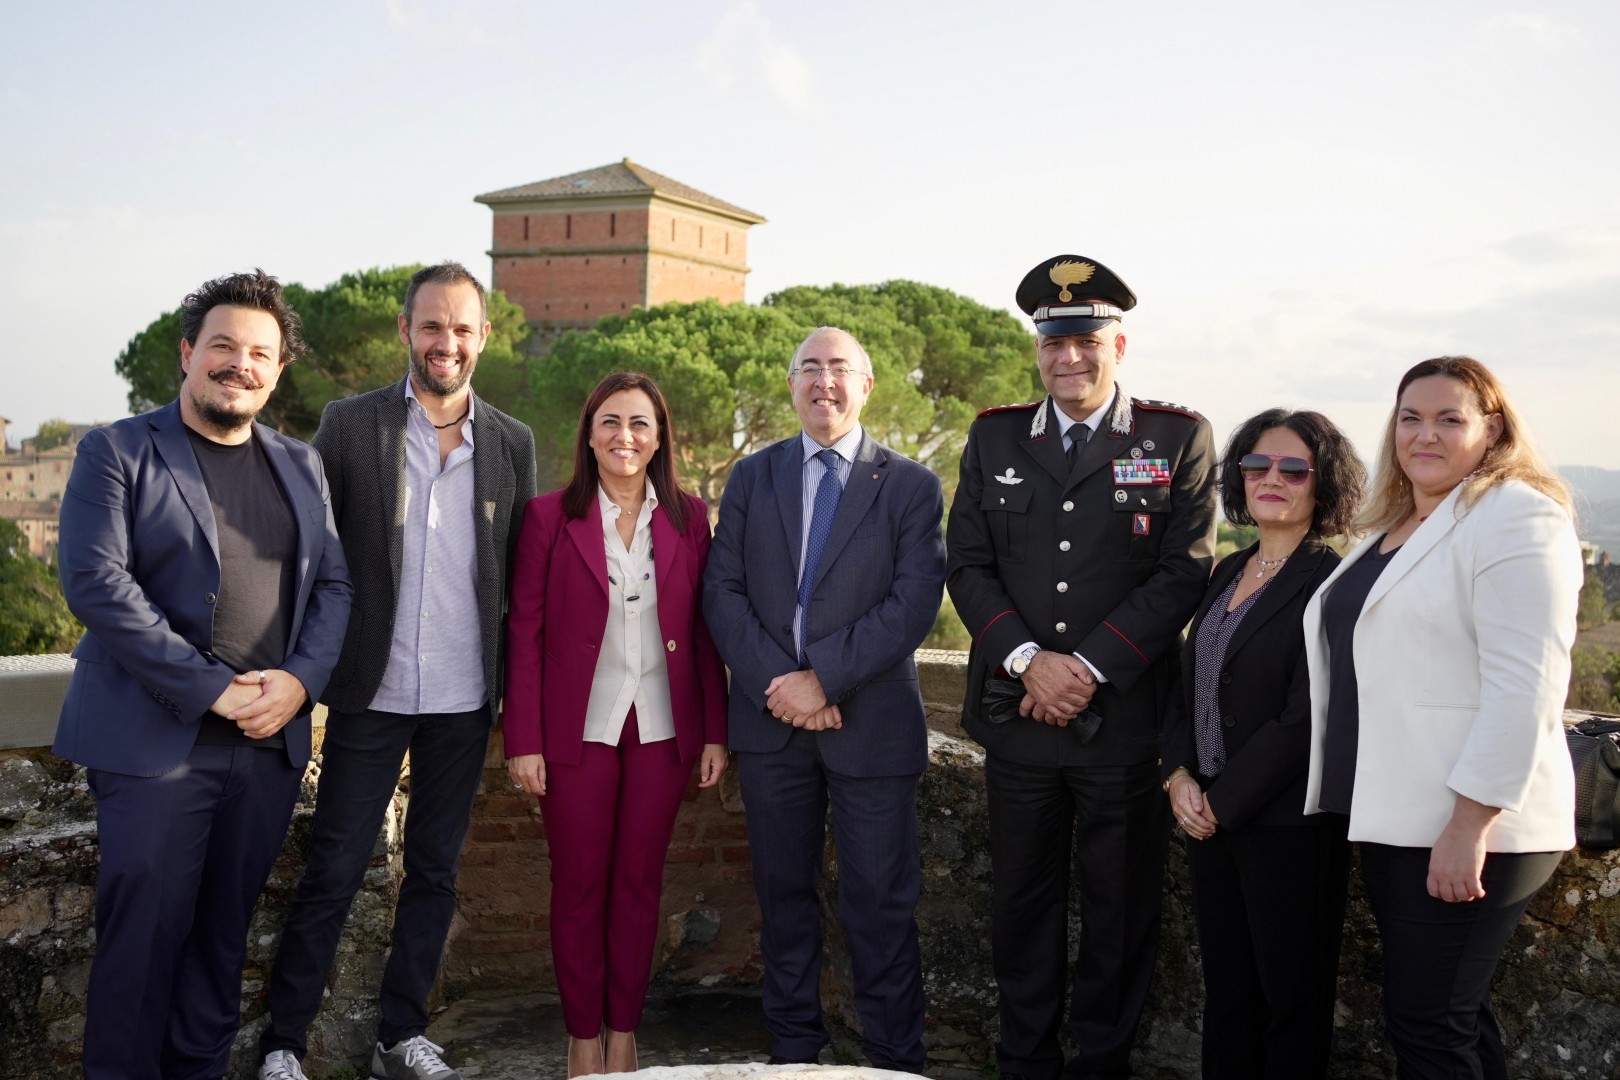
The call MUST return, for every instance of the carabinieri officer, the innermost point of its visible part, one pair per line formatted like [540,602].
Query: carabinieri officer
[1079,544]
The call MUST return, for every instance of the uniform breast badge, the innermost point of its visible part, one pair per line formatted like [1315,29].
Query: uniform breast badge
[1008,477]
[1141,524]
[1141,471]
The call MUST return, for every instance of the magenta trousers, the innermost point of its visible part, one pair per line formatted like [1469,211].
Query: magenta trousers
[609,820]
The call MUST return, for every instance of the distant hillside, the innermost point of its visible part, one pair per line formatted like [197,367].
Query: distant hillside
[1597,505]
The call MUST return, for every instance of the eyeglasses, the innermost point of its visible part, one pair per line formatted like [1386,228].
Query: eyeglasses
[839,372]
[1293,470]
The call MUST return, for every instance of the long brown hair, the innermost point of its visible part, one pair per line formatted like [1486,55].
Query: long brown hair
[580,495]
[1514,456]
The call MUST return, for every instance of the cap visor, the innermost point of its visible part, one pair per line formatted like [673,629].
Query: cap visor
[1066,327]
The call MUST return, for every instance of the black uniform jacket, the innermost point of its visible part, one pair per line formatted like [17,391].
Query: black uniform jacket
[1107,559]
[1265,696]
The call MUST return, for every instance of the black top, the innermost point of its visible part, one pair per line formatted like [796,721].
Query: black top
[258,554]
[1341,608]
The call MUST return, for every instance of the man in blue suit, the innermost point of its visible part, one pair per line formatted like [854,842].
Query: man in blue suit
[825,576]
[196,546]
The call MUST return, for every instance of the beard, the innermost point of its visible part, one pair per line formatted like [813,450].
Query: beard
[442,385]
[219,414]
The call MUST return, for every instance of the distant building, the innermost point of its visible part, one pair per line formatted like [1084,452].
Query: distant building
[32,483]
[573,249]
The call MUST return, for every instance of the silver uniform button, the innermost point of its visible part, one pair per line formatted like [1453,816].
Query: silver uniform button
[1069,505]
[1063,586]
[1063,545]
[1062,626]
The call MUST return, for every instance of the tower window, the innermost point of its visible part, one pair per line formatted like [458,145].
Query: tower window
[568,226]
[613,224]
[525,226]
[672,229]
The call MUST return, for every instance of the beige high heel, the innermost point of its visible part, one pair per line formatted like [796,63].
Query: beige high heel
[584,1057]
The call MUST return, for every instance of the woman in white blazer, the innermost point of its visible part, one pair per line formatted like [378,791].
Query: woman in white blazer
[1439,662]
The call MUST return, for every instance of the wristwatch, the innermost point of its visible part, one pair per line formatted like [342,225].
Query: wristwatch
[1020,663]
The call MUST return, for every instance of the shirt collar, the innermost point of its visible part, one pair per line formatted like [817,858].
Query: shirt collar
[417,407]
[845,448]
[1094,421]
[611,509]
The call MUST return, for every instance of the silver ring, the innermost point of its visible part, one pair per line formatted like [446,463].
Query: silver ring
[261,677]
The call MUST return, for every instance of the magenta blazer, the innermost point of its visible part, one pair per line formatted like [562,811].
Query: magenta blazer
[559,611]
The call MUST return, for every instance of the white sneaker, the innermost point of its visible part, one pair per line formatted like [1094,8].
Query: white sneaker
[411,1059]
[281,1065]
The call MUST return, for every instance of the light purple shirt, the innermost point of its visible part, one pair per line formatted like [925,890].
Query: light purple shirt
[436,660]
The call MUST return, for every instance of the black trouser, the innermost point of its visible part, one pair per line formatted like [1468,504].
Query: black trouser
[1270,905]
[1439,958]
[1114,820]
[360,765]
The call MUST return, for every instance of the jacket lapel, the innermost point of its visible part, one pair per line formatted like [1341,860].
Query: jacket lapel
[787,483]
[174,447]
[310,530]
[391,425]
[1047,447]
[586,534]
[1276,595]
[1439,524]
[668,553]
[860,491]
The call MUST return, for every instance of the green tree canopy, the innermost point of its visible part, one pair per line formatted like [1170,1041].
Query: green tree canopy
[52,433]
[33,616]
[938,359]
[354,346]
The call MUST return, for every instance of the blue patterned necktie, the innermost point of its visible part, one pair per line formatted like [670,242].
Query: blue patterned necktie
[821,519]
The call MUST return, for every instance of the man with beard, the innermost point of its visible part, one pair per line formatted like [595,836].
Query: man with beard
[198,549]
[428,486]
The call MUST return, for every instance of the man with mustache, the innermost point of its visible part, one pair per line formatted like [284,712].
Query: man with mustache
[428,486]
[198,549]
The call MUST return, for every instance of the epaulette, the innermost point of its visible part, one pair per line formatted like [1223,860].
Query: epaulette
[1009,408]
[1170,406]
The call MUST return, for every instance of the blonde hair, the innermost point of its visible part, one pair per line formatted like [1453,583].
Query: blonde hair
[1513,457]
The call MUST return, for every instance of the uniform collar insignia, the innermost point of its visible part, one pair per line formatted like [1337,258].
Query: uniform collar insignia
[1119,420]
[1037,423]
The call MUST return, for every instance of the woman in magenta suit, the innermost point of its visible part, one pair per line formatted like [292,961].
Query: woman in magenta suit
[613,691]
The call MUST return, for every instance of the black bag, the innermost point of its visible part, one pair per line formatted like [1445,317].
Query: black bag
[1594,747]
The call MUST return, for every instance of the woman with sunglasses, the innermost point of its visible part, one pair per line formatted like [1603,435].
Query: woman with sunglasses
[1269,883]
[1439,662]
[614,691]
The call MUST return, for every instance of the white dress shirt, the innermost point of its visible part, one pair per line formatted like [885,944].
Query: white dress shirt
[631,669]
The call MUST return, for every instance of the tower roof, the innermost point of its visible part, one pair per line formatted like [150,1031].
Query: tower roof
[618,179]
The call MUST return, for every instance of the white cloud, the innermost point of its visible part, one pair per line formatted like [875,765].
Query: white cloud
[1522,27]
[454,22]
[744,50]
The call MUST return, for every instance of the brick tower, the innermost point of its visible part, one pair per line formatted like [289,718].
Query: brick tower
[576,248]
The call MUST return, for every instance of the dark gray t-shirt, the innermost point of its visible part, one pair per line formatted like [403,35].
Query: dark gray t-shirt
[258,562]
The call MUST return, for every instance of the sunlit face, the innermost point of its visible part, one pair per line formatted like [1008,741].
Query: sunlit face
[231,368]
[829,407]
[1440,434]
[446,333]
[1271,499]
[1078,369]
[624,434]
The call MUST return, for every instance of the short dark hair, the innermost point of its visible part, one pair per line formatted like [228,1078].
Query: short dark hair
[580,495]
[445,273]
[1341,478]
[250,290]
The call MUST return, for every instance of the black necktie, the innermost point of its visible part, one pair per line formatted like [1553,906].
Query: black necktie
[1078,434]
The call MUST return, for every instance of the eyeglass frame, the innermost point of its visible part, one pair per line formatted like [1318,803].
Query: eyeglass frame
[1293,478]
[815,370]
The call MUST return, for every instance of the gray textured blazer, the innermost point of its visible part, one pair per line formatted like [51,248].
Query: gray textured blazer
[362,443]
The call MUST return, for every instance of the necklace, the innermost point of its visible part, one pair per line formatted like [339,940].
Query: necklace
[1264,566]
[457,420]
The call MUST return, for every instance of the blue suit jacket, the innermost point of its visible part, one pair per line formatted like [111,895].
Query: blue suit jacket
[139,558]
[881,579]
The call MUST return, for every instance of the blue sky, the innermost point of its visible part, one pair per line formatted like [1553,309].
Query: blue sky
[1307,199]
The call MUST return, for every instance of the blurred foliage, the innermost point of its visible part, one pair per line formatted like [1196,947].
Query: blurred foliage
[33,616]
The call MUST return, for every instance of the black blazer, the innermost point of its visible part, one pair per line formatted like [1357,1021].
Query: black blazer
[1265,696]
[362,444]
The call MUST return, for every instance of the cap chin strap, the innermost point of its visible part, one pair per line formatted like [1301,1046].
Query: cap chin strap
[1077,311]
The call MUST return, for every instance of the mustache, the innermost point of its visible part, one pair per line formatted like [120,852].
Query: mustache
[246,381]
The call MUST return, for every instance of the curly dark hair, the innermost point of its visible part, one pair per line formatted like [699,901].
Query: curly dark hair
[1341,478]
[250,290]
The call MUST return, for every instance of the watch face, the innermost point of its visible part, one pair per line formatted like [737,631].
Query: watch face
[1020,665]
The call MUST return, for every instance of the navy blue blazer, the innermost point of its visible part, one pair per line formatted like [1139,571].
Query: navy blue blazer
[878,594]
[139,558]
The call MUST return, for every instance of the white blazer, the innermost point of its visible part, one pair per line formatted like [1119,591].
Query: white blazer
[1462,667]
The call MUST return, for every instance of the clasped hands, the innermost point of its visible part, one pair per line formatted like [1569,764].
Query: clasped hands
[798,699]
[1057,688]
[261,702]
[1192,808]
